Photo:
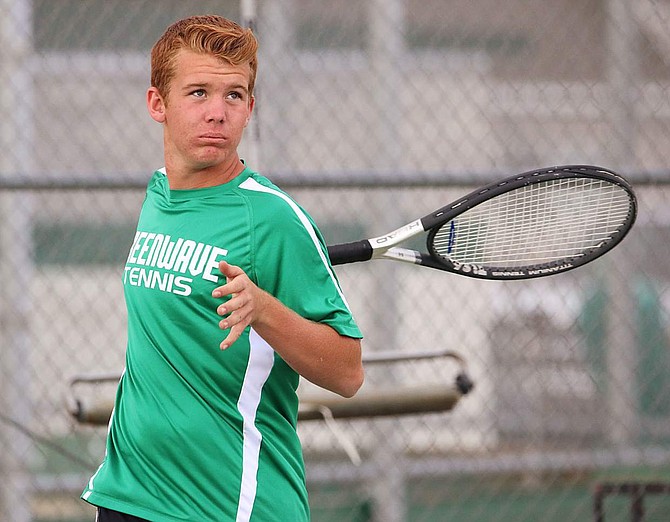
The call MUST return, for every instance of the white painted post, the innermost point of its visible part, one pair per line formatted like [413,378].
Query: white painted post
[386,50]
[15,258]
[621,359]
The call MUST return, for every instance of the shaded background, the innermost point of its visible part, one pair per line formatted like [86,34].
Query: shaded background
[362,107]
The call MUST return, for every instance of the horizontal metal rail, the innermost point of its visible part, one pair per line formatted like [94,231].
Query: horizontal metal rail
[375,402]
[302,180]
[440,465]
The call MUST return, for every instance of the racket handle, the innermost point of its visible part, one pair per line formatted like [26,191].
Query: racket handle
[350,252]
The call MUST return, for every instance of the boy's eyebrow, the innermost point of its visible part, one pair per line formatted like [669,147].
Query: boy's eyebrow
[193,85]
[200,85]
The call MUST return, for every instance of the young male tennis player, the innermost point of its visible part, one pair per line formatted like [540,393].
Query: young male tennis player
[230,298]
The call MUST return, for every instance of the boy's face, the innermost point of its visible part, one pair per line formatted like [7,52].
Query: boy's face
[203,117]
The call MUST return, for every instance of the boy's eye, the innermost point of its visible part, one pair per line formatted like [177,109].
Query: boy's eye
[198,93]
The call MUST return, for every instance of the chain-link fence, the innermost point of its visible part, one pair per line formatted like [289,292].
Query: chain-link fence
[362,106]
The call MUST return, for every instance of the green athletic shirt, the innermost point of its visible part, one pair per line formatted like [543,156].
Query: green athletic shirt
[197,433]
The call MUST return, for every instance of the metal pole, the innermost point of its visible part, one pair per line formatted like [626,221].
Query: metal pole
[16,142]
[251,144]
[622,361]
[386,20]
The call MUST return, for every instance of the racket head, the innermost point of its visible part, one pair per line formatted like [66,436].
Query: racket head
[534,224]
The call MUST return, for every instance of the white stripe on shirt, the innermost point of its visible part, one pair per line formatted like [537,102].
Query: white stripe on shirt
[261,360]
[252,184]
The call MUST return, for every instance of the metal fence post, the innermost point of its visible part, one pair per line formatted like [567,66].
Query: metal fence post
[16,258]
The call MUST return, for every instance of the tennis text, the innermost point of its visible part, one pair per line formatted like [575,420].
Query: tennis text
[160,262]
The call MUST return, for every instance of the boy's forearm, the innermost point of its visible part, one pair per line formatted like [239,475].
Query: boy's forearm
[314,350]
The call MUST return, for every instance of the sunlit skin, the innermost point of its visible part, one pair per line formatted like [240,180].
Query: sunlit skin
[204,115]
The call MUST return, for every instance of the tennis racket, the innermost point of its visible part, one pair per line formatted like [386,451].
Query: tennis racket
[535,224]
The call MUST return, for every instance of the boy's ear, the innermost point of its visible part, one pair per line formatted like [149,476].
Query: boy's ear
[252,102]
[156,105]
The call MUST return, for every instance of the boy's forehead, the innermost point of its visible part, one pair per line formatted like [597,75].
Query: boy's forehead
[192,63]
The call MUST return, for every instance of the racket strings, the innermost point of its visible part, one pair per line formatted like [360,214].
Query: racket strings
[536,224]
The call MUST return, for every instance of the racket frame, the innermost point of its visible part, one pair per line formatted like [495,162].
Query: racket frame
[384,247]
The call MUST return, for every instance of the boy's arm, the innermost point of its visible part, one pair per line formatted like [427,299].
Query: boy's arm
[314,350]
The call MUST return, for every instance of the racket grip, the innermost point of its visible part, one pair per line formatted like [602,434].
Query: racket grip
[345,253]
